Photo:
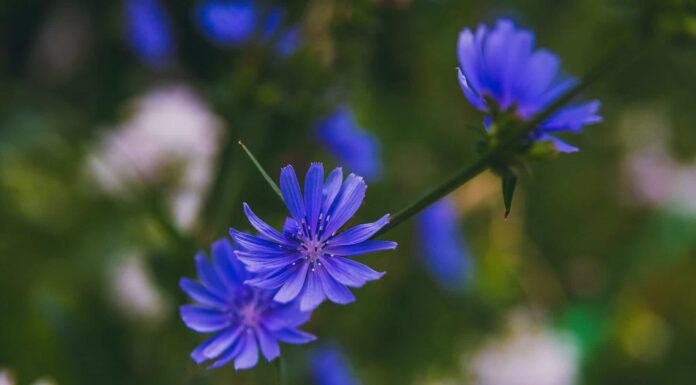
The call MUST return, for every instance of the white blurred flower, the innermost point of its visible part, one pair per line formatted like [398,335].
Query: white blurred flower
[650,175]
[6,378]
[133,291]
[530,355]
[170,140]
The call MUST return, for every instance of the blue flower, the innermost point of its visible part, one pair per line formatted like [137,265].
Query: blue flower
[350,144]
[501,72]
[288,42]
[444,253]
[149,31]
[244,318]
[308,259]
[330,367]
[233,23]
[228,22]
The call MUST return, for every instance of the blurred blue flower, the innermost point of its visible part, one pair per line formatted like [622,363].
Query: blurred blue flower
[288,41]
[444,252]
[330,367]
[244,318]
[500,71]
[149,31]
[227,22]
[308,260]
[233,23]
[350,144]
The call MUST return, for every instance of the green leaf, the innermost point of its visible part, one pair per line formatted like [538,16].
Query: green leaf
[509,184]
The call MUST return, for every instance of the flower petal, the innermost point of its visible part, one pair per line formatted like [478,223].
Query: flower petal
[256,244]
[249,355]
[349,272]
[229,269]
[290,189]
[294,336]
[359,233]
[346,204]
[312,293]
[573,118]
[208,275]
[331,188]
[203,319]
[335,291]
[199,293]
[292,287]
[263,228]
[313,194]
[272,279]
[269,345]
[223,341]
[360,248]
[259,263]
[287,316]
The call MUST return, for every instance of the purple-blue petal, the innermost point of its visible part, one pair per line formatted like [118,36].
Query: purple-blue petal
[335,291]
[249,355]
[360,248]
[312,294]
[293,285]
[199,293]
[290,189]
[268,343]
[203,319]
[314,182]
[294,336]
[359,233]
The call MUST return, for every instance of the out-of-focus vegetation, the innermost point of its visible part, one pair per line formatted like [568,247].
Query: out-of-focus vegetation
[588,281]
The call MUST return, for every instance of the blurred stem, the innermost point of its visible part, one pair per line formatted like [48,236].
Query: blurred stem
[280,371]
[437,193]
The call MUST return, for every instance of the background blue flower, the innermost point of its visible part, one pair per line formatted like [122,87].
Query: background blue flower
[244,318]
[329,366]
[500,71]
[149,31]
[444,252]
[352,146]
[234,23]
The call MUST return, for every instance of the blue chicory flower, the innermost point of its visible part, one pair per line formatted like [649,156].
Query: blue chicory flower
[244,317]
[350,144]
[445,255]
[309,259]
[500,71]
[233,23]
[329,366]
[227,22]
[149,31]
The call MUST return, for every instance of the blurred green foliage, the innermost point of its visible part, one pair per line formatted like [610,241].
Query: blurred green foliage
[616,274]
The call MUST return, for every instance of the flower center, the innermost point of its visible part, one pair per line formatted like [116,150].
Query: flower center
[249,314]
[312,249]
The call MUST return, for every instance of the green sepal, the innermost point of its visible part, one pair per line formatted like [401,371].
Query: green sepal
[509,184]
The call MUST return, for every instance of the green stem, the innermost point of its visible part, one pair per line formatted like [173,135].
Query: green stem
[263,172]
[437,193]
[280,371]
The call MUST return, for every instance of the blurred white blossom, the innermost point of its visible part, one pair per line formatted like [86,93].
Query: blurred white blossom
[530,354]
[653,177]
[171,140]
[6,378]
[133,291]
